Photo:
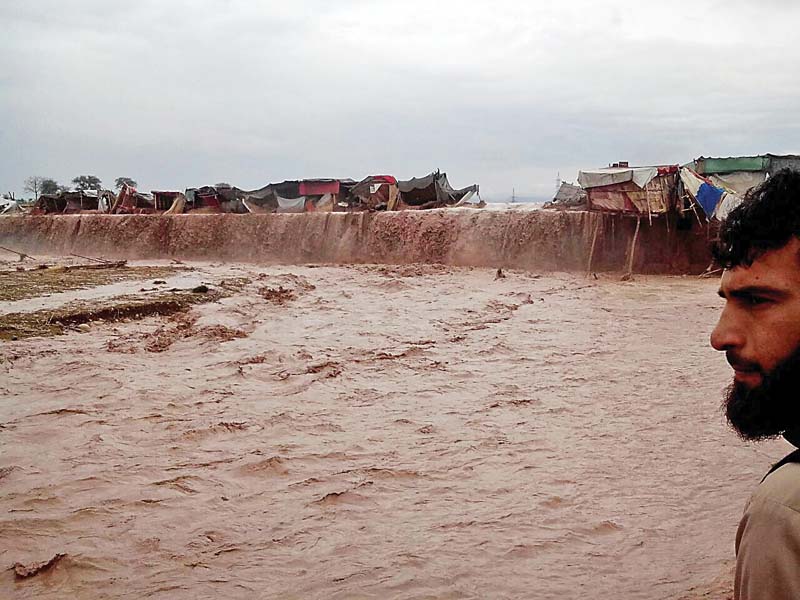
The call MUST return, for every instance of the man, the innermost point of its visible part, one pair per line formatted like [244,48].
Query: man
[759,331]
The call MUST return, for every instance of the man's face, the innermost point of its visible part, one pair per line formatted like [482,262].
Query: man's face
[759,331]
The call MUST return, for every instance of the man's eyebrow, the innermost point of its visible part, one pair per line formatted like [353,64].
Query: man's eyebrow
[753,290]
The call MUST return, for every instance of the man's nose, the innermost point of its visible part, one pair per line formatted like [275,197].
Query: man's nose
[727,334]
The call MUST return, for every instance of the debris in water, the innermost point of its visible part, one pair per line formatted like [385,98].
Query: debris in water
[100,265]
[278,295]
[24,571]
[22,255]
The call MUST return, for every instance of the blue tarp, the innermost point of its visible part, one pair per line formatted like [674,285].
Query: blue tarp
[708,197]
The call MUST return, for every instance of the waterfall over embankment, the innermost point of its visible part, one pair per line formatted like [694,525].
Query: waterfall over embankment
[534,240]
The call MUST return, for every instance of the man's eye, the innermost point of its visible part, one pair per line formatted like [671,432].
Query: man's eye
[757,300]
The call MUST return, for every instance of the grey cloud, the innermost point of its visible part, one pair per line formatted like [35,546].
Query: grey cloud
[509,94]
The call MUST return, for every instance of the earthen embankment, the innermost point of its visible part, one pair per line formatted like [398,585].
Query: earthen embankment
[537,240]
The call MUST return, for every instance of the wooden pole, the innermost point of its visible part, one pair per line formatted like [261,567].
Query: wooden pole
[22,255]
[594,241]
[633,246]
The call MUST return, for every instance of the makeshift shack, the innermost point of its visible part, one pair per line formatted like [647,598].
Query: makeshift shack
[376,192]
[211,199]
[622,191]
[432,191]
[296,196]
[130,201]
[74,202]
[718,185]
[631,190]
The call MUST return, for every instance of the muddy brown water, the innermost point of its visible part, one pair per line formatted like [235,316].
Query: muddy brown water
[379,432]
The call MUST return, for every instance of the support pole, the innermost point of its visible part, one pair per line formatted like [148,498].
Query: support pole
[594,241]
[633,247]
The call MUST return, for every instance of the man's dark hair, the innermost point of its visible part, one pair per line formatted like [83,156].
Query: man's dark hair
[767,218]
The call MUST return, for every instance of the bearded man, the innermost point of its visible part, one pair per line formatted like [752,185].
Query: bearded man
[759,331]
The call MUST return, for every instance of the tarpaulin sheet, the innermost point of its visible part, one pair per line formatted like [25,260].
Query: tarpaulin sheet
[468,198]
[691,181]
[417,183]
[324,203]
[291,205]
[641,176]
[709,166]
[707,195]
[434,188]
[738,182]
[313,187]
[628,197]
[726,205]
[569,193]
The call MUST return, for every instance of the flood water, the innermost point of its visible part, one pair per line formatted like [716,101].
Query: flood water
[379,432]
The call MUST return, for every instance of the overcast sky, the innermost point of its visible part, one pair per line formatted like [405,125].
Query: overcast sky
[506,94]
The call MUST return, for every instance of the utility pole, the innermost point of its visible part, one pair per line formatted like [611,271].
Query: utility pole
[513,195]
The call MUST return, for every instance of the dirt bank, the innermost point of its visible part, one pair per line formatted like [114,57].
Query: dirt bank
[539,240]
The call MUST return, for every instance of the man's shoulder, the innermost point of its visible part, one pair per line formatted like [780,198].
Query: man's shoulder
[782,487]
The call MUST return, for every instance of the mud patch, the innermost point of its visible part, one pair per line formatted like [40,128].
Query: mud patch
[81,314]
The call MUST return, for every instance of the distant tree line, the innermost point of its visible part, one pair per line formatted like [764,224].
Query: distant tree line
[38,185]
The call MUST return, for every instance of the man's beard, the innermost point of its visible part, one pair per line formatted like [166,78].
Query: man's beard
[769,409]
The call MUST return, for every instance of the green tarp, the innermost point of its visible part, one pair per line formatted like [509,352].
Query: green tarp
[709,166]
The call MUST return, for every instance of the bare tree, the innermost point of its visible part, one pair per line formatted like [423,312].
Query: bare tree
[41,185]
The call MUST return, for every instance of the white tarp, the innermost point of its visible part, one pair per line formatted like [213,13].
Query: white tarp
[640,176]
[467,199]
[291,205]
[738,182]
[8,206]
[726,205]
[691,181]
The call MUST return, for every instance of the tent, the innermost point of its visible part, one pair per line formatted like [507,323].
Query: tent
[295,196]
[433,191]
[214,199]
[74,202]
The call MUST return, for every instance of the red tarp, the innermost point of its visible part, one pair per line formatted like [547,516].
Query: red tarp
[383,179]
[318,188]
